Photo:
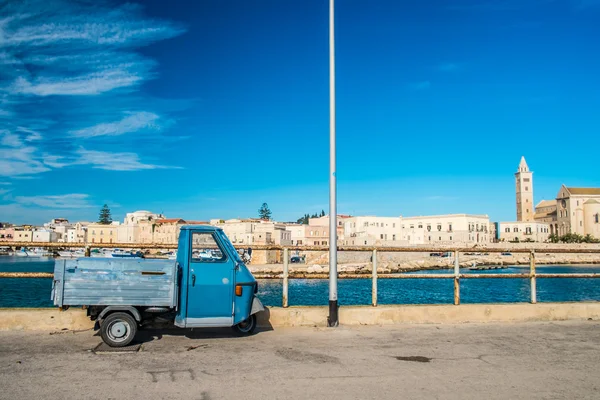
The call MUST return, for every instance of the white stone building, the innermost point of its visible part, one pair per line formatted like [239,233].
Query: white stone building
[523,231]
[464,229]
[372,230]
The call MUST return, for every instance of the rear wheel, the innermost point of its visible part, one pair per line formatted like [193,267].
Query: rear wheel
[247,326]
[118,329]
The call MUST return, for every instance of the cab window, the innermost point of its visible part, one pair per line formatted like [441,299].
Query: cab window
[205,249]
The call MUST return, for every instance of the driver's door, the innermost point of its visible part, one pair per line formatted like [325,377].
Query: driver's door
[210,283]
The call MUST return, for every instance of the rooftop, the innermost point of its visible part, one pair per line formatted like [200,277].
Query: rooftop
[584,191]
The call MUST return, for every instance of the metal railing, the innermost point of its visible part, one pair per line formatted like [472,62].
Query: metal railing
[456,276]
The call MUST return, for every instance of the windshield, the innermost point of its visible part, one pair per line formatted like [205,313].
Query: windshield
[229,247]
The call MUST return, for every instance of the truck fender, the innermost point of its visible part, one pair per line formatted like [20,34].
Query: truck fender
[132,310]
[257,306]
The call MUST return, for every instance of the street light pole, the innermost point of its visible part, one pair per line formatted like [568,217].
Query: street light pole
[332,320]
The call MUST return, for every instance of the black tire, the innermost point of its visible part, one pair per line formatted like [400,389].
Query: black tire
[118,329]
[246,327]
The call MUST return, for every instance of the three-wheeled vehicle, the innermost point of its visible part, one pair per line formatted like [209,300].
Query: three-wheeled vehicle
[207,286]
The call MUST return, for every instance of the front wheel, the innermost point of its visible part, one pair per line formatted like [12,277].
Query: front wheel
[247,326]
[118,329]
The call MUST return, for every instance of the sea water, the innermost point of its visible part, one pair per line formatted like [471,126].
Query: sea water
[19,292]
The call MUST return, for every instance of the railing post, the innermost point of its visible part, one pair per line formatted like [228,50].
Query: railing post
[532,277]
[374,300]
[88,251]
[286,260]
[456,279]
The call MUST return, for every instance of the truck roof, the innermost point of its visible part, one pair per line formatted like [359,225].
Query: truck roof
[203,228]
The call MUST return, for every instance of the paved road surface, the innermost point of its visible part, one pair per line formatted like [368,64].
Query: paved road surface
[494,361]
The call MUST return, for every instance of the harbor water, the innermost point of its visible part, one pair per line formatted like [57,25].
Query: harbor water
[36,292]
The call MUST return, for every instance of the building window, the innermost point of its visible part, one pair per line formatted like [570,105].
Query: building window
[366,224]
[393,237]
[515,229]
[577,202]
[440,238]
[325,243]
[439,227]
[365,242]
[429,238]
[449,227]
[412,227]
[393,225]
[420,226]
[526,188]
[311,233]
[381,236]
[450,237]
[525,179]
[580,223]
[506,229]
[596,217]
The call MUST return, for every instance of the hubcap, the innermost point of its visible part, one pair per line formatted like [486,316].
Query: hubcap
[118,331]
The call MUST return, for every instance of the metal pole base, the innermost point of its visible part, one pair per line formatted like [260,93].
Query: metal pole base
[332,320]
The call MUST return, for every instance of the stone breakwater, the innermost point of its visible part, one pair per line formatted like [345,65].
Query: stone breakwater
[385,265]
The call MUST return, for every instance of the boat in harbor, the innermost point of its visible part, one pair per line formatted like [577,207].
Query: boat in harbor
[71,253]
[118,253]
[35,252]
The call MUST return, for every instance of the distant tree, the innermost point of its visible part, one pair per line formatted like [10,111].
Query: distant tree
[303,220]
[105,217]
[322,213]
[553,238]
[264,212]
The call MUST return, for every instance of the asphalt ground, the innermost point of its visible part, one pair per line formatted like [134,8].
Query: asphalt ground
[537,360]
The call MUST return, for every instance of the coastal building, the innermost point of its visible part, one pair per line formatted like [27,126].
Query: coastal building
[371,230]
[45,236]
[100,233]
[167,230]
[524,192]
[297,233]
[446,229]
[77,233]
[523,231]
[23,233]
[578,211]
[7,233]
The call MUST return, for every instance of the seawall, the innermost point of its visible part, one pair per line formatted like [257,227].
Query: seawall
[51,319]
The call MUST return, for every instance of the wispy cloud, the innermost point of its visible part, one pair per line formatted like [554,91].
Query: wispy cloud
[423,85]
[74,200]
[90,84]
[132,123]
[18,161]
[115,161]
[448,67]
[9,139]
[55,51]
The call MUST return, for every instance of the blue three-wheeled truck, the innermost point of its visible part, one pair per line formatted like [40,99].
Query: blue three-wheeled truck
[207,286]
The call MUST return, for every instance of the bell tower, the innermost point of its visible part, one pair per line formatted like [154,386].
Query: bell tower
[524,186]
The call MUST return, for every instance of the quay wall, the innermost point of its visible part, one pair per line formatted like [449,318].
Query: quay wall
[50,319]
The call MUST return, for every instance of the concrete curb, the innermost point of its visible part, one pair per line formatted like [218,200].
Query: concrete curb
[51,319]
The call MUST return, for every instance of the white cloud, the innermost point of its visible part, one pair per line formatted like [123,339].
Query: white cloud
[74,200]
[132,123]
[89,84]
[114,161]
[10,139]
[32,135]
[16,161]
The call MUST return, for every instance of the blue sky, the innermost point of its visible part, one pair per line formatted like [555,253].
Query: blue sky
[208,109]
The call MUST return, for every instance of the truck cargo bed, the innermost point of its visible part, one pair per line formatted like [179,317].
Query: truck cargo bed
[107,281]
